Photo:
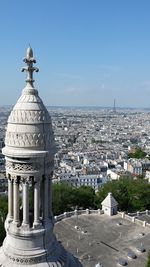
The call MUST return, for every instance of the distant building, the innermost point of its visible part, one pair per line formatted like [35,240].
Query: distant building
[95,181]
[112,175]
[133,166]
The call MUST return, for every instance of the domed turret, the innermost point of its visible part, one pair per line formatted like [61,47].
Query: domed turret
[29,153]
[29,129]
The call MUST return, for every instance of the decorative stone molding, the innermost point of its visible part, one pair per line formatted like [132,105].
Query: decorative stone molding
[29,116]
[60,259]
[26,180]
[22,260]
[24,139]
[28,139]
[24,167]
[15,178]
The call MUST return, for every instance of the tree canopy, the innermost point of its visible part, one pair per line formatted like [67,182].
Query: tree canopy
[138,154]
[67,198]
[3,213]
[131,195]
[148,261]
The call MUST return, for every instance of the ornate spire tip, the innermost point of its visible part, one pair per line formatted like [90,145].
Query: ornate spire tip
[29,60]
[29,53]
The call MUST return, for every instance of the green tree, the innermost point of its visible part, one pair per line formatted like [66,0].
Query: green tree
[2,231]
[3,207]
[83,197]
[3,214]
[138,154]
[148,261]
[67,198]
[139,191]
[131,195]
[62,198]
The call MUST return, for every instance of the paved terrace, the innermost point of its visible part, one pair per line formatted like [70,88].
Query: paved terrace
[103,239]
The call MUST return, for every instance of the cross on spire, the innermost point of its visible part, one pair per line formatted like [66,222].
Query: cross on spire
[29,60]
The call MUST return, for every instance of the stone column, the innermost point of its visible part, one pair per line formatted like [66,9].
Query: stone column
[16,200]
[10,199]
[46,204]
[25,189]
[36,203]
[49,197]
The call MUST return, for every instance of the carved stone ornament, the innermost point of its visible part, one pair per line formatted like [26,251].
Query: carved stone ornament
[34,260]
[26,180]
[29,116]
[23,167]
[15,178]
[28,139]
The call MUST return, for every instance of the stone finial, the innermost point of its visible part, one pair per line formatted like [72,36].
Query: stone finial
[29,60]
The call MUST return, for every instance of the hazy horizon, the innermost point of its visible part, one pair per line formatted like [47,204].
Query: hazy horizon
[84,106]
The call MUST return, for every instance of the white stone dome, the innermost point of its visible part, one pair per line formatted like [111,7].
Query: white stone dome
[29,128]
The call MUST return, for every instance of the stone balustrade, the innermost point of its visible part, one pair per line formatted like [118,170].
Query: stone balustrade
[76,213]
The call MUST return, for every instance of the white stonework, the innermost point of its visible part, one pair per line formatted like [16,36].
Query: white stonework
[109,205]
[29,153]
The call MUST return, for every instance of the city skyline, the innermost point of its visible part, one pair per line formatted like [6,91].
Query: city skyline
[88,52]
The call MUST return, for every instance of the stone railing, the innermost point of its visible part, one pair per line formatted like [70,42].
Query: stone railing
[76,213]
[134,217]
[139,213]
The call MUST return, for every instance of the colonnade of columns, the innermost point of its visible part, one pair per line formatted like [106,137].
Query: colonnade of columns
[40,213]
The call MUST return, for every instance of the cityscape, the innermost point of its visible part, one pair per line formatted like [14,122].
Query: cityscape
[75,133]
[93,144]
[92,148]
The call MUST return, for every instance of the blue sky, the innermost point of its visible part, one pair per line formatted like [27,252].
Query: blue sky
[88,51]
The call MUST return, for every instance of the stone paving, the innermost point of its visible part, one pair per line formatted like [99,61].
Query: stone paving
[103,239]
